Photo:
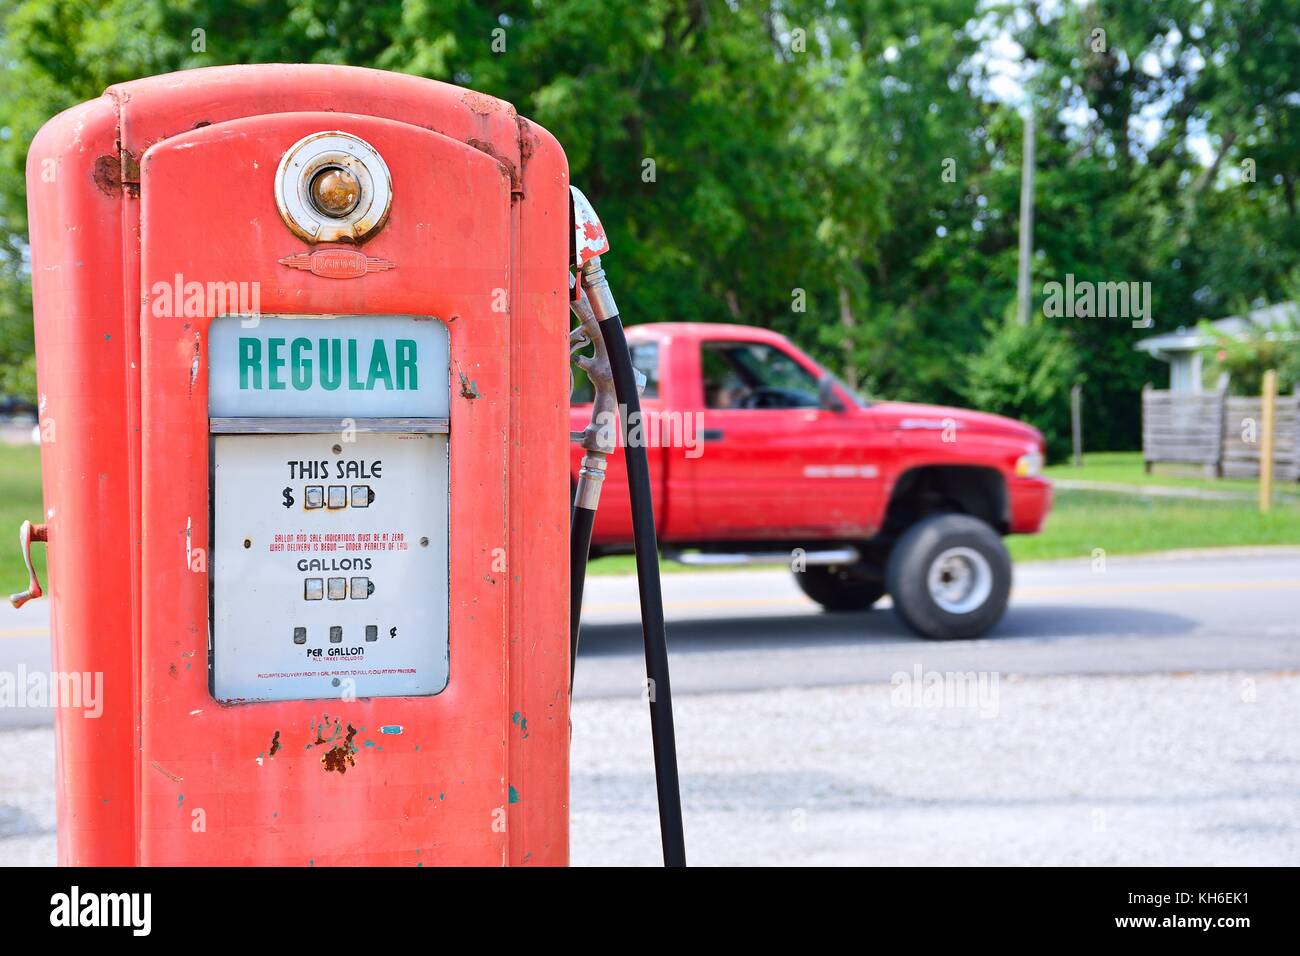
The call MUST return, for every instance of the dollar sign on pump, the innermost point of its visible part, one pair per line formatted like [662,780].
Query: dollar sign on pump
[288,497]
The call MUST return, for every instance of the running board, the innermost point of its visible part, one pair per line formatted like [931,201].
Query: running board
[698,559]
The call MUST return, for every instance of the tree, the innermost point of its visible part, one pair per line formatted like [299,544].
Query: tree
[677,115]
[841,170]
[1026,372]
[1135,93]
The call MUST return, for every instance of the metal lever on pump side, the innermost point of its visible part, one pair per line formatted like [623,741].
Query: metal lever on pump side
[27,533]
[598,442]
[592,289]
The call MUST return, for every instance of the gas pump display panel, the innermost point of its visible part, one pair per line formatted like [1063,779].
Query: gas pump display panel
[329,508]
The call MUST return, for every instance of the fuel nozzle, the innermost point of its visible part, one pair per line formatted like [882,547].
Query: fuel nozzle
[599,436]
[598,441]
[593,304]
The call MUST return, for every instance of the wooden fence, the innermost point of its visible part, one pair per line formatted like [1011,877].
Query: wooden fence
[1219,432]
[1241,426]
[1184,427]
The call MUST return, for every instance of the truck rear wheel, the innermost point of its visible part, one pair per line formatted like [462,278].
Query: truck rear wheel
[838,587]
[949,576]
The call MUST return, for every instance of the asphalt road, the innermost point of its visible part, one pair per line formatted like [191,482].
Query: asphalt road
[754,630]
[25,647]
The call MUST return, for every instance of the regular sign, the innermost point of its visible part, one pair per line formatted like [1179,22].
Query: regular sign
[348,366]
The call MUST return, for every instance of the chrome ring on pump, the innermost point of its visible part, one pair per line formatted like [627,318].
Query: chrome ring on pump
[316,153]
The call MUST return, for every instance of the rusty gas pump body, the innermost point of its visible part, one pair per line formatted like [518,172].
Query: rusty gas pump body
[252,285]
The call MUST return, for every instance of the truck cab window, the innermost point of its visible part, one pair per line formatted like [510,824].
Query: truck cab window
[645,359]
[753,375]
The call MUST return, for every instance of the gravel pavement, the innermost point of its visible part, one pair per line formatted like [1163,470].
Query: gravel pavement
[1140,770]
[1164,769]
[27,798]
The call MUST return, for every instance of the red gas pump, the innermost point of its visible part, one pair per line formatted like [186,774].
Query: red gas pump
[301,355]
[301,337]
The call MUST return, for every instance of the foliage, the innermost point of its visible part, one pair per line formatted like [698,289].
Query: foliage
[1026,372]
[1247,357]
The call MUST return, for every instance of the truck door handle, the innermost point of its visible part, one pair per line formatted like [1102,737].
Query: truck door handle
[712,434]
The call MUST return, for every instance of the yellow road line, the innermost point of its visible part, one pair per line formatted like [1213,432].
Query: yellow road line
[705,604]
[33,630]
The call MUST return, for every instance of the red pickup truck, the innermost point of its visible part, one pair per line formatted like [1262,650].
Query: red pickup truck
[758,455]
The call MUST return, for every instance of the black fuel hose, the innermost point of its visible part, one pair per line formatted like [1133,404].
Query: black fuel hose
[579,548]
[652,603]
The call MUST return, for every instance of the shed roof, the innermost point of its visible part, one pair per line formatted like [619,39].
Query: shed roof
[1186,339]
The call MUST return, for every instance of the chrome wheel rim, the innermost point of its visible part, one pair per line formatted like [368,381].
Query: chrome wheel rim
[960,580]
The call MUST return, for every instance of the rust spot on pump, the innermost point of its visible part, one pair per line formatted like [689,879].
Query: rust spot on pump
[113,173]
[342,756]
[509,168]
[166,773]
[130,166]
[481,103]
[108,175]
[527,140]
[275,744]
[194,363]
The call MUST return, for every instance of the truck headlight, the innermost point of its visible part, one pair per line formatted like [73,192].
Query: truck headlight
[1029,465]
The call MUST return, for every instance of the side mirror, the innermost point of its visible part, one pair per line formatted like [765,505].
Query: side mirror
[826,396]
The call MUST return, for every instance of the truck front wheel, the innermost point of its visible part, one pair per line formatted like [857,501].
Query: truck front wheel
[839,587]
[949,576]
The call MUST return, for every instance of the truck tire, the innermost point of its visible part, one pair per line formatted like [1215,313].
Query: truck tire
[949,576]
[840,587]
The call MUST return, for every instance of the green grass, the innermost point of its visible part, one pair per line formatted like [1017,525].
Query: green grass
[1125,467]
[20,498]
[1082,521]
[626,564]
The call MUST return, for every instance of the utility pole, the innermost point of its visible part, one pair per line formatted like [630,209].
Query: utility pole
[1024,295]
[1076,423]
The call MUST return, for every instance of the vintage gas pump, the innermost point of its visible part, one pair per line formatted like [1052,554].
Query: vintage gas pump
[301,336]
